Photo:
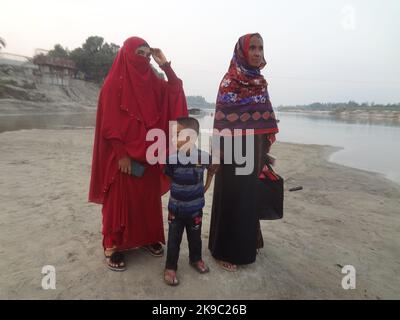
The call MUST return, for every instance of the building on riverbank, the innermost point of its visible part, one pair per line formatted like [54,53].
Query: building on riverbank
[41,68]
[55,71]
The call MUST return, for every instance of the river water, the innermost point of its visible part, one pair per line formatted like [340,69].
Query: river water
[370,146]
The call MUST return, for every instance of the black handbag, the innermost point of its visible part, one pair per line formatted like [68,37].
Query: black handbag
[270,195]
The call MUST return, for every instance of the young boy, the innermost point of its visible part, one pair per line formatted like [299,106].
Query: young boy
[186,171]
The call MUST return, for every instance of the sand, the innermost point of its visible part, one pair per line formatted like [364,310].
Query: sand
[342,217]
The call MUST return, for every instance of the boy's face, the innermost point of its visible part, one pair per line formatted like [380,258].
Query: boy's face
[186,138]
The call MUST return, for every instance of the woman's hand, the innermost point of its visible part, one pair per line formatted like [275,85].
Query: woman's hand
[158,56]
[124,165]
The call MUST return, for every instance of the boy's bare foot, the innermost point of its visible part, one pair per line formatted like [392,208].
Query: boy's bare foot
[170,277]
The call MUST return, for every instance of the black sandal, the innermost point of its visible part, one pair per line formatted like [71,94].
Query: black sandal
[155,249]
[116,258]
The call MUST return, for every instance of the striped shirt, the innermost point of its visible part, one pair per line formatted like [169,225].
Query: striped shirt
[187,183]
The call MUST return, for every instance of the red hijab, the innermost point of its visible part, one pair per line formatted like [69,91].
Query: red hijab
[132,101]
[131,84]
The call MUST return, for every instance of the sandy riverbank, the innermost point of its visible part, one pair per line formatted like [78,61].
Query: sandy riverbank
[343,216]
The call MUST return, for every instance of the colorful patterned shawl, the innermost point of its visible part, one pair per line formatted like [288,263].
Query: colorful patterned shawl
[243,101]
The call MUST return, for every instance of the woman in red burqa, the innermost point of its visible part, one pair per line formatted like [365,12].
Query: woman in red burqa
[133,100]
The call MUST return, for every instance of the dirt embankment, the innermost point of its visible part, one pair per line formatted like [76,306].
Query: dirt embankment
[23,92]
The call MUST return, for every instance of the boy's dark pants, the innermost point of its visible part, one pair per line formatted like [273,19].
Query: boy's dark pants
[177,224]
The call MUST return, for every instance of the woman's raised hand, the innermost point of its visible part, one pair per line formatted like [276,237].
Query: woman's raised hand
[158,56]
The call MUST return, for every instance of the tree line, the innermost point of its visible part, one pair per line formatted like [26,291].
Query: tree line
[199,102]
[344,106]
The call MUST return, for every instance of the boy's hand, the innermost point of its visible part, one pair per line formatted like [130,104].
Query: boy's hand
[210,174]
[207,186]
[158,56]
[124,165]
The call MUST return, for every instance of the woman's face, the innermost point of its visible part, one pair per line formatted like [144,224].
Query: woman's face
[143,51]
[256,52]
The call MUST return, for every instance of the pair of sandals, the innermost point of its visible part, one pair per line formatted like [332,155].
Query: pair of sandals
[116,260]
[171,279]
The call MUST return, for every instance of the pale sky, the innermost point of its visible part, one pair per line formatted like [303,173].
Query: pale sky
[317,50]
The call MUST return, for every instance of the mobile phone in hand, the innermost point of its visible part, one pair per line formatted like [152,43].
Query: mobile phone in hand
[137,169]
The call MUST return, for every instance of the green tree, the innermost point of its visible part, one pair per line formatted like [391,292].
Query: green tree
[93,44]
[94,58]
[59,52]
